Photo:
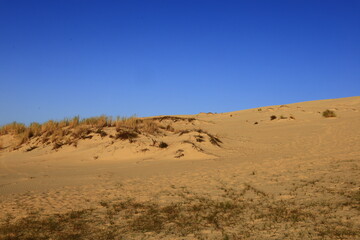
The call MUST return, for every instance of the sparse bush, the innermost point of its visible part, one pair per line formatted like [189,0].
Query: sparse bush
[101,133]
[163,145]
[328,113]
[199,138]
[273,117]
[124,135]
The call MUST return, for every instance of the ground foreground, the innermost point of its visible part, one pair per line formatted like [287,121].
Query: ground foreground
[278,172]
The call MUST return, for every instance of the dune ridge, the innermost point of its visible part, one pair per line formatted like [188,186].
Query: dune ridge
[277,172]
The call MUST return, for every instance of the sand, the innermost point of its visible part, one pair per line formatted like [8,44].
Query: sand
[296,176]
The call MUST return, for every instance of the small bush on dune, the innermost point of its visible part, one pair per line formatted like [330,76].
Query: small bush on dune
[101,133]
[273,117]
[328,113]
[123,135]
[163,145]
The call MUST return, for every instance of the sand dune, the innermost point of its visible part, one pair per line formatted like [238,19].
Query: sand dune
[275,172]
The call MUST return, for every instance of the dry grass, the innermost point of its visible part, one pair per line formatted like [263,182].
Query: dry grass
[328,114]
[163,145]
[173,119]
[68,131]
[126,135]
[244,212]
[199,138]
[12,128]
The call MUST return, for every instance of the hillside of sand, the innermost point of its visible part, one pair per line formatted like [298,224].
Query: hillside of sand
[276,172]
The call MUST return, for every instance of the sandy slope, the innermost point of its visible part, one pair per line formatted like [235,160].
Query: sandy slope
[301,163]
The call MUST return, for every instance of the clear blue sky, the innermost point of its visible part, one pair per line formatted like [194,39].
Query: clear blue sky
[65,58]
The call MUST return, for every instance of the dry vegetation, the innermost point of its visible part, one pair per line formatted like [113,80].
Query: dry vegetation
[237,213]
[70,131]
[328,114]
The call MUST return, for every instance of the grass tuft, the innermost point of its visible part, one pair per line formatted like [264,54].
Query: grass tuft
[163,145]
[328,114]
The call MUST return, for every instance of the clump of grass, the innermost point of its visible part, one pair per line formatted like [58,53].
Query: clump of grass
[149,126]
[163,145]
[179,153]
[101,132]
[199,138]
[272,117]
[13,128]
[130,123]
[102,121]
[74,122]
[81,132]
[328,113]
[213,139]
[126,135]
[49,127]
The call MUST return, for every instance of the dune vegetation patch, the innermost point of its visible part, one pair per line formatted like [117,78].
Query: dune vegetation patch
[244,212]
[328,114]
[272,117]
[69,132]
[200,138]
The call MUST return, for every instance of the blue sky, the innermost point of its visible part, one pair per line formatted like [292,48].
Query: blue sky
[65,58]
